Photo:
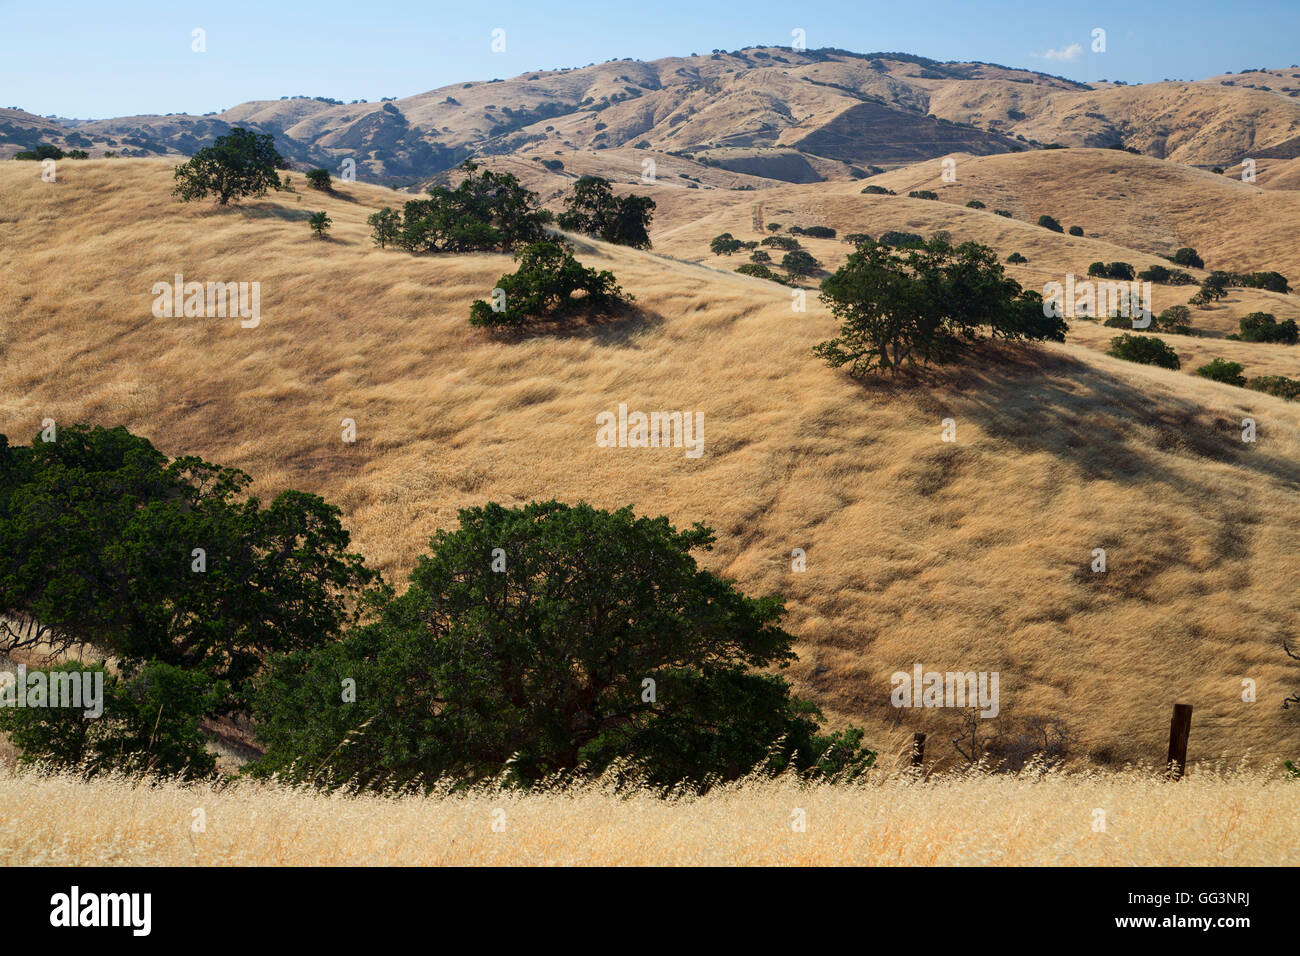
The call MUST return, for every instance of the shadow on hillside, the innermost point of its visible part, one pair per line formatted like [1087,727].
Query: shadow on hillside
[275,211]
[1102,426]
[622,327]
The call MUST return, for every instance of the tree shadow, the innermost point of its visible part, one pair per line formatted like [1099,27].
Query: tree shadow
[1101,426]
[620,327]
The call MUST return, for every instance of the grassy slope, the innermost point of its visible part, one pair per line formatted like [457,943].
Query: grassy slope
[967,556]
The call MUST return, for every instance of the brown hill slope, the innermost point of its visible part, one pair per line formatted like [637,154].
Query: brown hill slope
[971,555]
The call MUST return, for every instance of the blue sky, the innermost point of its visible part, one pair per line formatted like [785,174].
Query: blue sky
[93,59]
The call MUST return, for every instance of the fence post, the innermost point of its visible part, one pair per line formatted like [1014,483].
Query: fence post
[918,749]
[1179,728]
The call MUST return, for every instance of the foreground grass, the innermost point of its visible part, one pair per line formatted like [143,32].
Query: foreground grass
[1212,817]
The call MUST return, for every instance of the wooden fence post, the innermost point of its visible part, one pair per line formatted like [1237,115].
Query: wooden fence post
[1179,728]
[918,749]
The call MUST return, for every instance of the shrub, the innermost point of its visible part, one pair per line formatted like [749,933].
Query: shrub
[1264,327]
[1004,213]
[1016,258]
[877,191]
[780,242]
[1120,270]
[320,224]
[1221,371]
[923,194]
[760,271]
[554,165]
[773,227]
[528,670]
[901,240]
[974,204]
[41,151]
[924,305]
[725,244]
[1279,385]
[1187,256]
[857,238]
[1097,269]
[1179,277]
[1155,273]
[593,209]
[760,255]
[1145,350]
[1076,230]
[799,263]
[319,179]
[818,232]
[1176,320]
[1047,222]
[548,284]
[235,166]
[78,154]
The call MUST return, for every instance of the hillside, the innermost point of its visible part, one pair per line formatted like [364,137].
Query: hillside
[780,114]
[971,556]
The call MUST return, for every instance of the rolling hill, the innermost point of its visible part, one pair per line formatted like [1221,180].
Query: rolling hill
[972,555]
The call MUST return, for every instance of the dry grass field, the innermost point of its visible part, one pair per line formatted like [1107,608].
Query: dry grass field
[1128,818]
[971,555]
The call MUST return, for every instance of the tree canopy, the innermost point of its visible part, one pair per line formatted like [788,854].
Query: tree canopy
[594,210]
[237,165]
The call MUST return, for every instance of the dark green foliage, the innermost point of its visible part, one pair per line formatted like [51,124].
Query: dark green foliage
[901,240]
[877,191]
[923,305]
[97,534]
[799,263]
[725,244]
[594,209]
[1047,222]
[320,223]
[319,179]
[974,204]
[1279,385]
[780,242]
[385,226]
[1097,269]
[1155,273]
[813,232]
[549,284]
[1017,258]
[1272,281]
[237,165]
[1264,327]
[857,238]
[78,154]
[150,723]
[1222,371]
[1145,350]
[544,665]
[1176,320]
[759,271]
[554,165]
[1004,213]
[1120,270]
[923,194]
[40,151]
[487,211]
[1076,230]
[760,255]
[1187,256]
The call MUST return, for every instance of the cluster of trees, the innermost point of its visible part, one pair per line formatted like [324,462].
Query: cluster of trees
[1264,327]
[531,640]
[43,151]
[925,304]
[549,284]
[796,262]
[1175,320]
[594,210]
[1144,350]
[486,212]
[1233,373]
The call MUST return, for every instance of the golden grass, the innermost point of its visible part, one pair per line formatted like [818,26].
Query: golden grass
[970,556]
[1210,818]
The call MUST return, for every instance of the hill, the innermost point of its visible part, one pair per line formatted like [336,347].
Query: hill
[972,555]
[780,114]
